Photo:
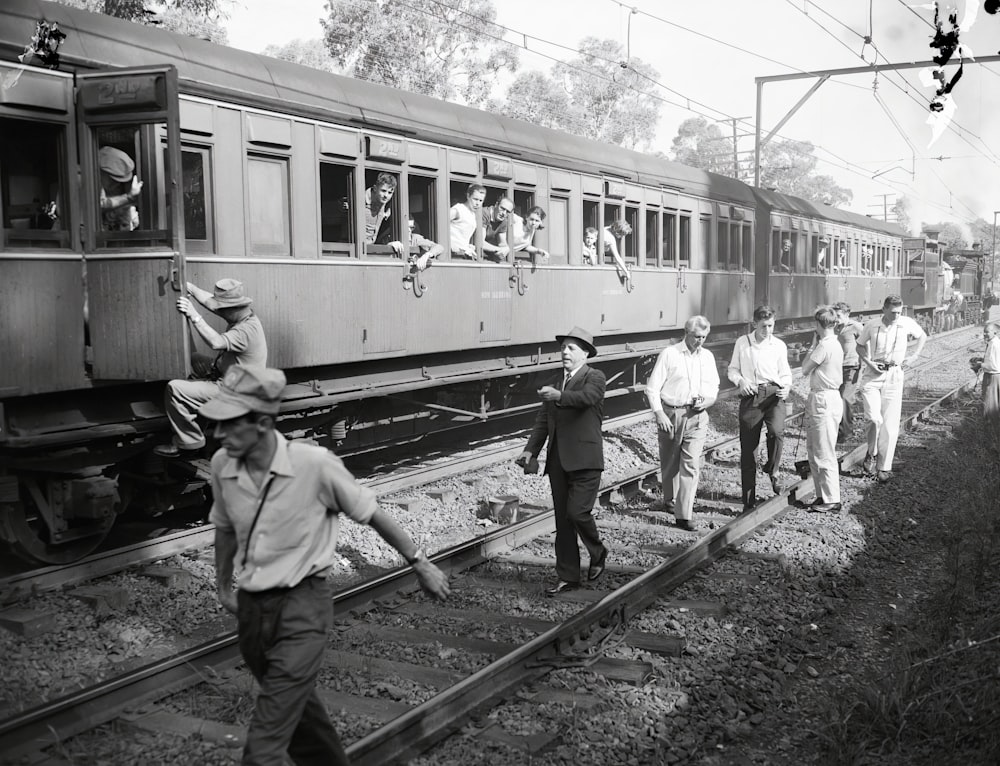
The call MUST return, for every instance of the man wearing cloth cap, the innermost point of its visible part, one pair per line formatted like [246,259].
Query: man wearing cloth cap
[241,345]
[120,189]
[276,508]
[570,420]
[684,383]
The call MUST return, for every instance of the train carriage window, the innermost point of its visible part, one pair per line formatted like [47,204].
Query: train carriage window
[669,239]
[465,230]
[718,263]
[684,240]
[196,180]
[706,243]
[268,211]
[422,209]
[381,213]
[130,189]
[735,251]
[782,251]
[747,243]
[556,231]
[630,247]
[523,202]
[32,183]
[652,237]
[336,190]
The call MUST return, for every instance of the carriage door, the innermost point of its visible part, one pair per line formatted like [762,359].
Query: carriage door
[130,160]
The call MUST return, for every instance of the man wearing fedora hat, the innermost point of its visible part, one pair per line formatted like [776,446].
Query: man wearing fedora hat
[276,507]
[242,344]
[570,420]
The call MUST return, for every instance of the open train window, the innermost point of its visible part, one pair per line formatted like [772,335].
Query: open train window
[630,251]
[268,211]
[557,231]
[669,239]
[32,180]
[196,196]
[524,201]
[421,208]
[465,229]
[782,251]
[381,212]
[652,237]
[130,189]
[336,190]
[684,240]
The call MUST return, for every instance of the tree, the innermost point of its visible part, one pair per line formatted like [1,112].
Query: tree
[536,98]
[611,99]
[902,212]
[788,166]
[196,18]
[984,234]
[701,144]
[450,49]
[311,53]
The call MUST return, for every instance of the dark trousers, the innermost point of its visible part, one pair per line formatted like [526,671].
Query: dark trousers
[573,496]
[849,392]
[282,638]
[763,407]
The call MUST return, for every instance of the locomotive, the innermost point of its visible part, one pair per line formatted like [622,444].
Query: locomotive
[256,169]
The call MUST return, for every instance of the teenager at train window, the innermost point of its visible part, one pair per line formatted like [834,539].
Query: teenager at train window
[496,220]
[463,219]
[377,210]
[617,230]
[521,232]
[120,188]
[590,246]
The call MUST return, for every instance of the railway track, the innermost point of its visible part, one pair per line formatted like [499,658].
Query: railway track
[580,637]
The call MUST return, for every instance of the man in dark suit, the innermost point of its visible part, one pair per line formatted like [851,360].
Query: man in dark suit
[570,420]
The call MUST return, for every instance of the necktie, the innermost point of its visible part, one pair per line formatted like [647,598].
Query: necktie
[565,381]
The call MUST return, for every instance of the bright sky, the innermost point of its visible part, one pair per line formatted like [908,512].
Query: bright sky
[862,126]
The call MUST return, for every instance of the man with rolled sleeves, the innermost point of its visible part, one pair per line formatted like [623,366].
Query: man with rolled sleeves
[683,385]
[882,349]
[570,421]
[276,510]
[759,369]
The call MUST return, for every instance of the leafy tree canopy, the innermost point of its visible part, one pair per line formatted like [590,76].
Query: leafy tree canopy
[536,98]
[157,11]
[450,49]
[701,144]
[311,53]
[790,167]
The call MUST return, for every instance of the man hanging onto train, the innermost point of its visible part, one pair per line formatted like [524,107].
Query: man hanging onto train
[570,421]
[882,350]
[120,188]
[241,345]
[759,369]
[683,385]
[823,366]
[276,507]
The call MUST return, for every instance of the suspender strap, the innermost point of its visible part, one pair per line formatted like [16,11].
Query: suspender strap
[253,526]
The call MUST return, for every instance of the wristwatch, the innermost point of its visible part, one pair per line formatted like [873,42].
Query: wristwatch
[417,557]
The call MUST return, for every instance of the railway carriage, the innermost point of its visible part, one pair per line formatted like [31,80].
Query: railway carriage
[256,168]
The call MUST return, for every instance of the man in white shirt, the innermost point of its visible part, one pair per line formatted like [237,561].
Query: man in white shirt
[759,369]
[824,408]
[464,218]
[683,385]
[882,349]
[989,366]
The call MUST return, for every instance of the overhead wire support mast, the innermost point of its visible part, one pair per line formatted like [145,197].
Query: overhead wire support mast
[823,76]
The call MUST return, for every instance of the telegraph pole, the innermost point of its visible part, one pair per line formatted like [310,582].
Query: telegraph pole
[885,205]
[736,160]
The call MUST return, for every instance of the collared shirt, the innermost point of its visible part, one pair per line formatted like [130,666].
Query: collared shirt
[245,345]
[991,362]
[296,532]
[758,362]
[679,375]
[829,358]
[887,343]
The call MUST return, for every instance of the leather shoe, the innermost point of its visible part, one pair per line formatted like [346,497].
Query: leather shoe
[167,450]
[868,466]
[884,476]
[686,524]
[825,508]
[596,568]
[561,587]
[776,484]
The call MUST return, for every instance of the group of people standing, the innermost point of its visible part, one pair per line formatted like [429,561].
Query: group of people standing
[684,384]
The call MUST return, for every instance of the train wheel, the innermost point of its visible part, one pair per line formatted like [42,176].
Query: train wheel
[38,533]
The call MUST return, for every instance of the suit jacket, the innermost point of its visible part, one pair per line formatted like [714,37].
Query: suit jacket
[573,423]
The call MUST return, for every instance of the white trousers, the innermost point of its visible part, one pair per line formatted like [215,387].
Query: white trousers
[824,410]
[882,398]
